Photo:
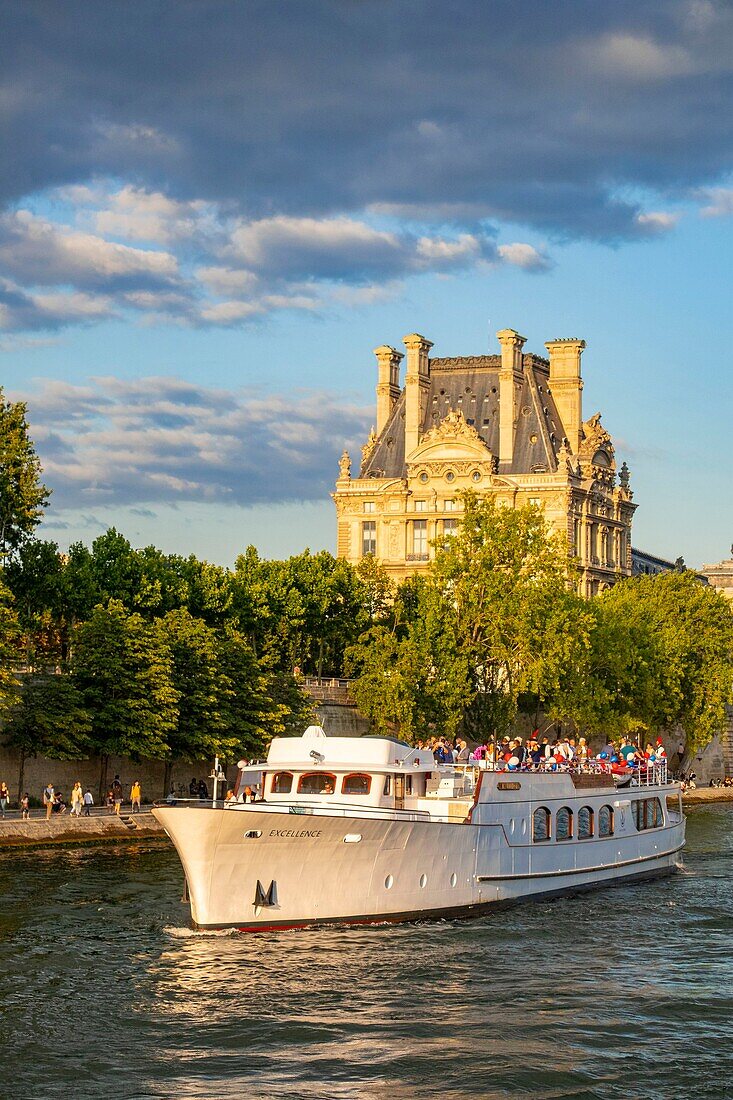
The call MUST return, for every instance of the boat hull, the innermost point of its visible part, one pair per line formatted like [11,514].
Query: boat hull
[259,870]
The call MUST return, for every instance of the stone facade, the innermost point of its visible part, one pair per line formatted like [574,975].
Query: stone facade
[510,426]
[720,576]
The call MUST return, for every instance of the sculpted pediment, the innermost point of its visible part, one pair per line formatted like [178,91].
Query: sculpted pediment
[450,440]
[597,446]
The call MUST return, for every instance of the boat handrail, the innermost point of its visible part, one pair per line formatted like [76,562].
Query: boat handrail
[651,774]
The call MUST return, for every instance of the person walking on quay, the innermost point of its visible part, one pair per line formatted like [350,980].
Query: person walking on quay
[49,798]
[4,798]
[135,796]
[25,806]
[77,800]
[88,803]
[117,794]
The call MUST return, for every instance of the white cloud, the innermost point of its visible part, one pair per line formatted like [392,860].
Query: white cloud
[718,200]
[525,256]
[164,440]
[637,57]
[40,252]
[658,221]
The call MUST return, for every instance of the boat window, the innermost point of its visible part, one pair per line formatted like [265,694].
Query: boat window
[637,809]
[564,824]
[585,823]
[657,815]
[356,784]
[605,821]
[541,824]
[408,784]
[317,783]
[674,806]
[387,785]
[282,783]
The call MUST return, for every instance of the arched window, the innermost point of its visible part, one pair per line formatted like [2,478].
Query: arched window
[282,783]
[585,823]
[564,824]
[317,783]
[357,783]
[541,824]
[605,821]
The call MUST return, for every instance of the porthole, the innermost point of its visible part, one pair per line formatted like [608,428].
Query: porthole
[423,881]
[389,882]
[423,477]
[476,475]
[453,879]
[352,838]
[533,438]
[253,834]
[450,476]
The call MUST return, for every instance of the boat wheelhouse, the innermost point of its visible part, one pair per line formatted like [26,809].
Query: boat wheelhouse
[360,830]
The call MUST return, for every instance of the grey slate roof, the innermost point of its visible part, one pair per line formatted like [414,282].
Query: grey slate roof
[471,384]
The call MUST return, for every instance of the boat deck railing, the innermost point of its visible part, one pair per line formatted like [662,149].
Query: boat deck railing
[650,774]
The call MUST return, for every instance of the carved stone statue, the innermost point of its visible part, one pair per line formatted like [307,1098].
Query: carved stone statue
[624,475]
[366,451]
[345,465]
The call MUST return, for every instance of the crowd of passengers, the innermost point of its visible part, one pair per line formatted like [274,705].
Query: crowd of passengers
[545,754]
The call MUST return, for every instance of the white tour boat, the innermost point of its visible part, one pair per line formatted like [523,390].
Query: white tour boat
[364,830]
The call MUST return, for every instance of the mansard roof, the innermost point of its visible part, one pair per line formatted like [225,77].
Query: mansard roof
[470,384]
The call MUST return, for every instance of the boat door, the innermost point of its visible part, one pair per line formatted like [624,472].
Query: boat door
[399,792]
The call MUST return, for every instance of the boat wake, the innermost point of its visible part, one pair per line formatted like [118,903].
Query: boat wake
[184,933]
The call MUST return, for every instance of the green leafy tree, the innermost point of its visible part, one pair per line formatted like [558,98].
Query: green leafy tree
[614,685]
[688,632]
[493,619]
[124,671]
[263,703]
[49,719]
[9,634]
[35,576]
[200,731]
[23,496]
[501,582]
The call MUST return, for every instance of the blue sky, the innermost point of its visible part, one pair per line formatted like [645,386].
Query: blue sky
[214,212]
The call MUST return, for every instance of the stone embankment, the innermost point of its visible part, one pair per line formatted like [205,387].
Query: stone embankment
[37,832]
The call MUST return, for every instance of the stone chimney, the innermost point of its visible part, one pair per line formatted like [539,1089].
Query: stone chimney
[567,386]
[417,386]
[388,383]
[511,377]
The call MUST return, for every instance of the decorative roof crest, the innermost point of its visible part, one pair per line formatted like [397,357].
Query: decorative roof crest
[453,426]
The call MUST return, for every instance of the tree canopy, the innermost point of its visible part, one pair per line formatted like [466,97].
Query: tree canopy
[23,497]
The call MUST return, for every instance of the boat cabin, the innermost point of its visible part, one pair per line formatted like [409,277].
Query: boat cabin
[374,772]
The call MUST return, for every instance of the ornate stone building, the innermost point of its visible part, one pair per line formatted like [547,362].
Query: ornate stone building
[509,425]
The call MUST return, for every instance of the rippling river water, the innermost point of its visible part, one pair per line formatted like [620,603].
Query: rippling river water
[626,992]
